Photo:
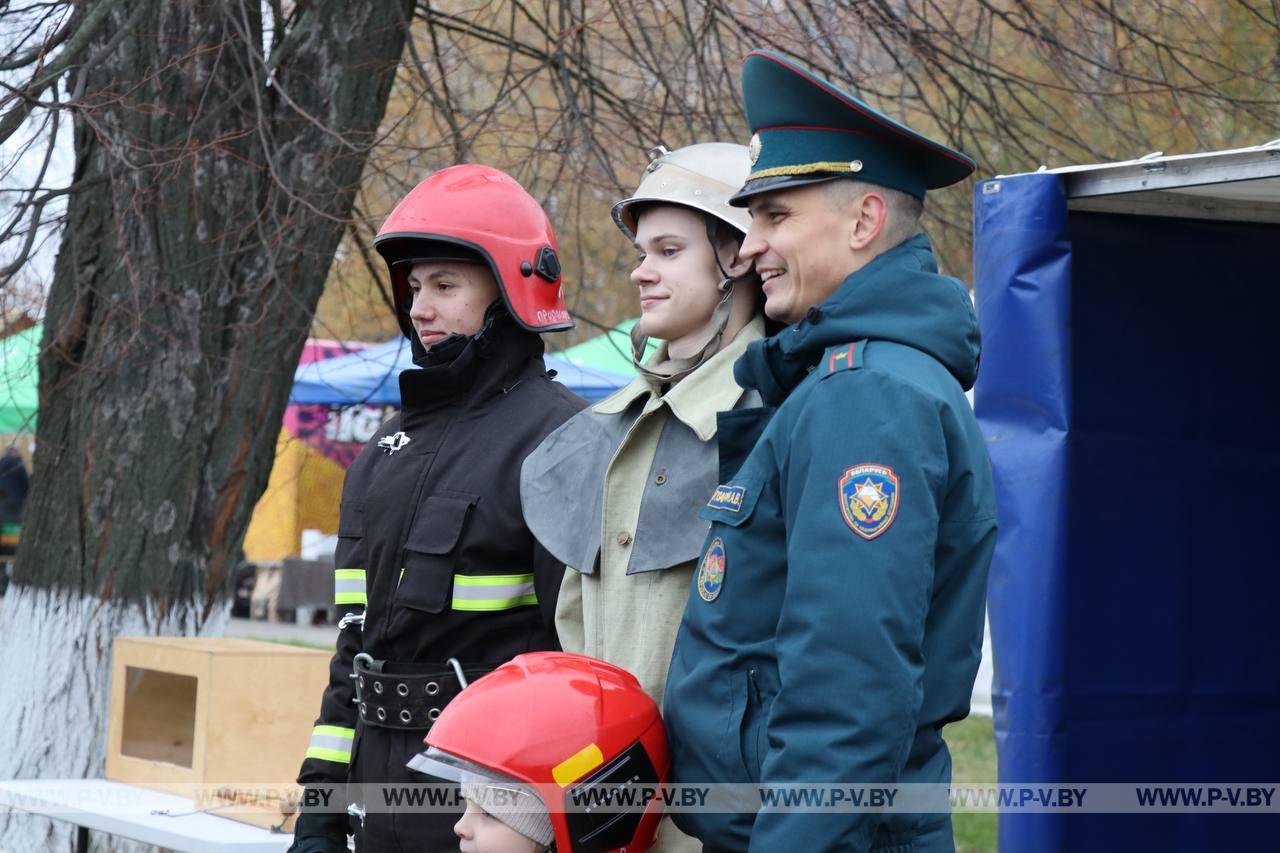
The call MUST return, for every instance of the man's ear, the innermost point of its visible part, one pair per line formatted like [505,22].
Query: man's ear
[869,216]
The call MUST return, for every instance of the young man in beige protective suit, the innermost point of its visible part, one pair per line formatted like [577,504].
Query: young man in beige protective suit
[615,491]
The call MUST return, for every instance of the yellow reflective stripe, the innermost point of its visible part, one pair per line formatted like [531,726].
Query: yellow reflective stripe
[494,604]
[331,743]
[486,593]
[349,586]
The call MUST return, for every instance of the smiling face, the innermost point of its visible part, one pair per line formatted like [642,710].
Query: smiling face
[480,832]
[449,298]
[677,276]
[801,247]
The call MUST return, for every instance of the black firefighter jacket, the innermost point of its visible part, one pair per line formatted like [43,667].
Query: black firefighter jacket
[434,549]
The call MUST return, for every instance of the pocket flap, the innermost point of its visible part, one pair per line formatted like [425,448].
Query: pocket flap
[425,582]
[732,503]
[351,519]
[438,525]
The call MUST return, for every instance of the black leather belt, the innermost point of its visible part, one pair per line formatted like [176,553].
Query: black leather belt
[406,696]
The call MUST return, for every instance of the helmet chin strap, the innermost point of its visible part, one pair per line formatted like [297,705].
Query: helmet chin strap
[674,369]
[713,235]
[452,347]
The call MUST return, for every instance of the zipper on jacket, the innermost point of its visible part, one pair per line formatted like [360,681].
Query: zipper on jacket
[753,687]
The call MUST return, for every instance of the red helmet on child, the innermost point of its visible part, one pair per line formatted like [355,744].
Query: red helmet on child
[478,213]
[561,724]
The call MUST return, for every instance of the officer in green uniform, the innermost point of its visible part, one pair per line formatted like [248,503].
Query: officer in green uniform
[835,620]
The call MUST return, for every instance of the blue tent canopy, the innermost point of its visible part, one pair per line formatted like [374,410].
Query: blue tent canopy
[371,376]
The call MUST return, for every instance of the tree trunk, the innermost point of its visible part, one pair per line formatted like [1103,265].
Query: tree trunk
[212,188]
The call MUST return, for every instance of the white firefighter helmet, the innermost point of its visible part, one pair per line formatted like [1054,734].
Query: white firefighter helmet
[702,177]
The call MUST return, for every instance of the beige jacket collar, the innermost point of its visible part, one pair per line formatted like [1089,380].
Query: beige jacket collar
[697,398]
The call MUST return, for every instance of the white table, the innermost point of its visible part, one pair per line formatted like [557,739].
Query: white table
[139,814]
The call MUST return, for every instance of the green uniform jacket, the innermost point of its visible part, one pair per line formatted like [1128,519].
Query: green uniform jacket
[835,620]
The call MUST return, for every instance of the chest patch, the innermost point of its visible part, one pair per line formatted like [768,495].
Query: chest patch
[728,497]
[711,571]
[392,443]
[868,497]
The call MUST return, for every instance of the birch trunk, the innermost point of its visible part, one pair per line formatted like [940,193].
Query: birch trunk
[57,719]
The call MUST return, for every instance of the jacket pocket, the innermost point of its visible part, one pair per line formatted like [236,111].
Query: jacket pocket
[751,730]
[429,552]
[354,771]
[732,503]
[351,520]
[350,557]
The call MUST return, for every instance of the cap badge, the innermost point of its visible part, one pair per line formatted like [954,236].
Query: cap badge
[753,148]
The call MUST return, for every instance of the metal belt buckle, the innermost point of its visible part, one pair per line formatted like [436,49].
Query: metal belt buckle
[457,670]
[367,660]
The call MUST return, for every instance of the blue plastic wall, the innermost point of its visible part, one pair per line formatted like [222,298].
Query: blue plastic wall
[1130,398]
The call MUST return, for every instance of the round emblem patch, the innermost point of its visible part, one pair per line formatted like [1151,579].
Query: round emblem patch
[753,148]
[869,499]
[711,571]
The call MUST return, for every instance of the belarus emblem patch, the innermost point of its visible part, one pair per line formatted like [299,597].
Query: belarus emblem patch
[869,499]
[711,571]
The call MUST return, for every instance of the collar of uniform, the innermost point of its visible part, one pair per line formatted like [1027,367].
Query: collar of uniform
[510,356]
[697,398]
[619,401]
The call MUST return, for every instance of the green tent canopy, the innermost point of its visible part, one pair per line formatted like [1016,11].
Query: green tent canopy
[19,394]
[609,351]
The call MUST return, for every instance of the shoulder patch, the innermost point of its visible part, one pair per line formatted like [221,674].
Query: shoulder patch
[843,357]
[869,496]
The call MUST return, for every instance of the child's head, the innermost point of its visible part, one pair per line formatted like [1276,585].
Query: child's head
[528,739]
[502,817]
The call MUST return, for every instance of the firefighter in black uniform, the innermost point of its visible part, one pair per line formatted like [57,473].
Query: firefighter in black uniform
[440,579]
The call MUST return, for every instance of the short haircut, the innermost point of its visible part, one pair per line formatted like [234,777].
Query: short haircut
[904,209]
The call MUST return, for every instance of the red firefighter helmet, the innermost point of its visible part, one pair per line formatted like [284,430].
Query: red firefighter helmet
[484,212]
[562,724]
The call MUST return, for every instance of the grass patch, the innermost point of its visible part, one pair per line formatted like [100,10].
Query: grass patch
[973,759]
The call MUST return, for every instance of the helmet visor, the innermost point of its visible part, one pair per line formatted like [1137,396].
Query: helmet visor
[515,803]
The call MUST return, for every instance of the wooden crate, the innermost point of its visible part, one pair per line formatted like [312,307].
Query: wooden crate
[231,713]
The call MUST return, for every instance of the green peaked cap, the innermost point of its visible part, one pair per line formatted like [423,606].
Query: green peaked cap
[806,130]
